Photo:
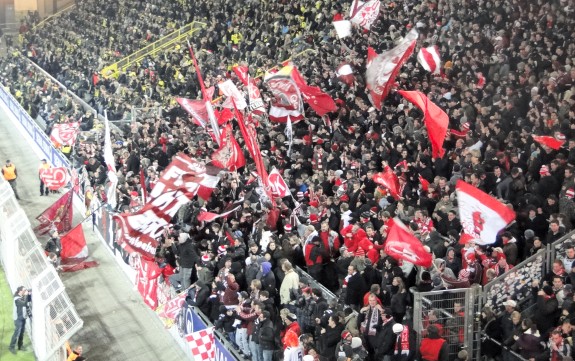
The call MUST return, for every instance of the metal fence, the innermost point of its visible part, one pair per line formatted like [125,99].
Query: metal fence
[454,312]
[54,319]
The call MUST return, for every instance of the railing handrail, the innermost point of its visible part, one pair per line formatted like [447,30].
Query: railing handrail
[42,22]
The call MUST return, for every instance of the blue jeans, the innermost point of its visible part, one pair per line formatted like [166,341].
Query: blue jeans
[268,355]
[232,338]
[256,351]
[19,328]
[242,340]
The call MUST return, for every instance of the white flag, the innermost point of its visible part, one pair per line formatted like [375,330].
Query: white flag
[342,28]
[481,215]
[111,164]
[364,14]
[232,92]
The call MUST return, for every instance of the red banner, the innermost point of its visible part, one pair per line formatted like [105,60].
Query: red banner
[229,156]
[147,281]
[287,97]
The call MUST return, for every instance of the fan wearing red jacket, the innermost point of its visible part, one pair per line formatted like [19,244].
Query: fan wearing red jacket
[352,236]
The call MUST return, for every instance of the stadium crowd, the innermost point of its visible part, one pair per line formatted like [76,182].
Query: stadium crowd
[507,75]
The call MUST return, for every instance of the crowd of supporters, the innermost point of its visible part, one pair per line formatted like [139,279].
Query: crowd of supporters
[520,50]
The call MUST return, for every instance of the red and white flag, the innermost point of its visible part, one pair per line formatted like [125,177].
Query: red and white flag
[55,178]
[549,141]
[364,14]
[206,216]
[287,98]
[381,73]
[64,134]
[242,72]
[229,155]
[197,109]
[481,215]
[178,184]
[319,101]
[401,244]
[231,91]
[202,344]
[256,104]
[345,73]
[389,180]
[436,120]
[277,184]
[58,216]
[429,59]
[147,282]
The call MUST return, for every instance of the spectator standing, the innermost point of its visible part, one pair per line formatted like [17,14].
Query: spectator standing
[20,315]
[433,347]
[10,173]
[44,191]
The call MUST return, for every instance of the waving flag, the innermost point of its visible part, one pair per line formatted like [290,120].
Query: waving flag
[197,109]
[429,59]
[319,101]
[345,74]
[256,104]
[364,14]
[389,180]
[482,216]
[180,182]
[287,99]
[58,216]
[277,184]
[75,251]
[64,134]
[229,89]
[147,282]
[548,141]
[401,244]
[206,216]
[242,72]
[382,71]
[229,156]
[342,28]
[436,120]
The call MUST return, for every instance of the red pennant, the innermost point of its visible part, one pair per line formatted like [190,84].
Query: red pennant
[402,245]
[436,120]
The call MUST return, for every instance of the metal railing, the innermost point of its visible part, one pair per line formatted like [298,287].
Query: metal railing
[44,21]
[160,44]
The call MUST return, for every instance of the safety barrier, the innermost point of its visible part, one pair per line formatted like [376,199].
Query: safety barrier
[54,319]
[160,44]
[456,312]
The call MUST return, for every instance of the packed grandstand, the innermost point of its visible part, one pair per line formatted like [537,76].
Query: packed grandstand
[423,146]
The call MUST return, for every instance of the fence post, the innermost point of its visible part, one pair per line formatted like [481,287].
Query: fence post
[417,317]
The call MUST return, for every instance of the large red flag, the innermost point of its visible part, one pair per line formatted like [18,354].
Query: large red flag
[250,138]
[381,73]
[319,101]
[401,244]
[229,155]
[287,100]
[58,216]
[389,180]
[75,251]
[436,120]
[548,141]
[147,281]
[206,216]
[481,215]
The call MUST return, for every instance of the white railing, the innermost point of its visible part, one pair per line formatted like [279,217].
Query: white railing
[54,319]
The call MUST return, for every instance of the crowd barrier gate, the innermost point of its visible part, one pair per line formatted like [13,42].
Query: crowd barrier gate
[54,318]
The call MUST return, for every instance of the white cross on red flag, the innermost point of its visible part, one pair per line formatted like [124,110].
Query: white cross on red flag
[481,215]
